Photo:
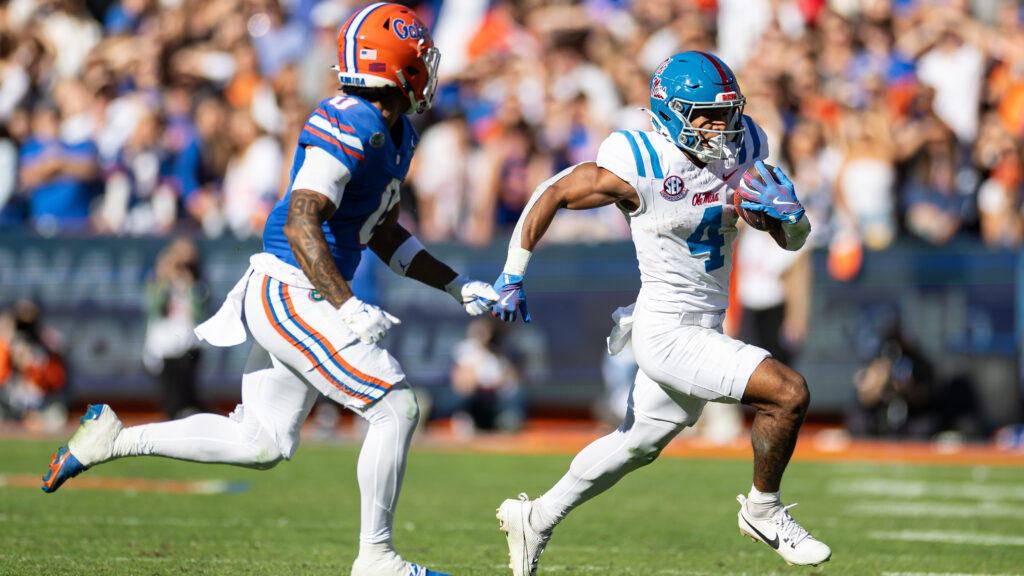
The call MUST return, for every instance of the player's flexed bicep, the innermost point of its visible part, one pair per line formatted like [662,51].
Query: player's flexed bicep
[580,187]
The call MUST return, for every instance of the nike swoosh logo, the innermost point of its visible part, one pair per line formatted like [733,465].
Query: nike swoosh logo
[774,542]
[730,175]
[504,301]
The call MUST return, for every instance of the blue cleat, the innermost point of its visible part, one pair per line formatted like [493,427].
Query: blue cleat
[417,570]
[63,465]
[93,443]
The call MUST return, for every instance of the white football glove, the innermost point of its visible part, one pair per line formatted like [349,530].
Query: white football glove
[367,321]
[475,296]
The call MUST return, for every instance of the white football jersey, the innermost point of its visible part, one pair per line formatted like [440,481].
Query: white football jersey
[684,228]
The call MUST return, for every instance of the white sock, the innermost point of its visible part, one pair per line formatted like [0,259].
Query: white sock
[762,504]
[599,466]
[376,550]
[127,442]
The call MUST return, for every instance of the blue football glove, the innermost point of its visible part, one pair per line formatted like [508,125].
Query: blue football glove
[775,200]
[511,298]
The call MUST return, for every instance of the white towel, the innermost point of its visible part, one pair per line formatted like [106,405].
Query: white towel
[620,334]
[225,328]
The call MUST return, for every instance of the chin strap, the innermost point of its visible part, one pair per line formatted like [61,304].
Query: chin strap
[414,106]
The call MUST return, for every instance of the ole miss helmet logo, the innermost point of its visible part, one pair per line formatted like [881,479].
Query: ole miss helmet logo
[673,189]
[657,90]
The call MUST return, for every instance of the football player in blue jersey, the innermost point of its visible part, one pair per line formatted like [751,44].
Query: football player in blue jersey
[312,335]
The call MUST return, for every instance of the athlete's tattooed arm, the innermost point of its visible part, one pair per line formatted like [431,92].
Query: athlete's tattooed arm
[307,212]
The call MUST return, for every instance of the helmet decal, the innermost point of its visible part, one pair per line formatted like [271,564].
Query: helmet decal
[411,30]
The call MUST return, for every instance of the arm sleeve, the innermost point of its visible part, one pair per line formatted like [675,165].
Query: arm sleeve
[322,172]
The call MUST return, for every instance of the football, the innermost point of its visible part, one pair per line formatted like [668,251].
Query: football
[757,220]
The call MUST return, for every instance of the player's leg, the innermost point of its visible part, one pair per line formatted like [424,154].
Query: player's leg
[362,377]
[653,417]
[690,355]
[258,434]
[781,398]
[391,422]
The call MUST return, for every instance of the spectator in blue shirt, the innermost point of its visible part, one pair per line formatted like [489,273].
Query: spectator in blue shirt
[60,180]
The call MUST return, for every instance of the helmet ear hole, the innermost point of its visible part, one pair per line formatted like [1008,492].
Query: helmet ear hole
[664,116]
[411,71]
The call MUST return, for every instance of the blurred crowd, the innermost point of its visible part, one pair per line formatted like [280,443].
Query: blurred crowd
[33,371]
[131,117]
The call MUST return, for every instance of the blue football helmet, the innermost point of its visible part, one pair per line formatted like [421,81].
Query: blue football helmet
[682,87]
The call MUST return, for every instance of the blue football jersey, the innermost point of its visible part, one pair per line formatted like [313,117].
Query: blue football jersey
[353,131]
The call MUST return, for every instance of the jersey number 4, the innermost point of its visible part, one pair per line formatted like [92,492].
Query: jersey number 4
[706,239]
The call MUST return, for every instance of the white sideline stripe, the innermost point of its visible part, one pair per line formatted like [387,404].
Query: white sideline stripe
[950,537]
[918,489]
[994,509]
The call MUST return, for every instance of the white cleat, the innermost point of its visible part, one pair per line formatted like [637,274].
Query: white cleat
[784,535]
[524,543]
[93,442]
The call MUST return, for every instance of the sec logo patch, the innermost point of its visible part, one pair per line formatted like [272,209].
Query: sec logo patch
[673,189]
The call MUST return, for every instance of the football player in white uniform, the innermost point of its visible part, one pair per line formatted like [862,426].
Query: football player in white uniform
[675,186]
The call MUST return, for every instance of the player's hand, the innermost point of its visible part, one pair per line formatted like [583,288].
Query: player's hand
[511,298]
[367,321]
[776,196]
[475,296]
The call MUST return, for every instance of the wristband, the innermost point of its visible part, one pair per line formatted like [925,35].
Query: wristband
[404,255]
[517,260]
[455,287]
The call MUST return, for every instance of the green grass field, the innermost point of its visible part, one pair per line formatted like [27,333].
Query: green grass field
[675,517]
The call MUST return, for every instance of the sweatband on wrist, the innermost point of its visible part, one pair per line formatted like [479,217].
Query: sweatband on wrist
[404,255]
[455,287]
[517,260]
